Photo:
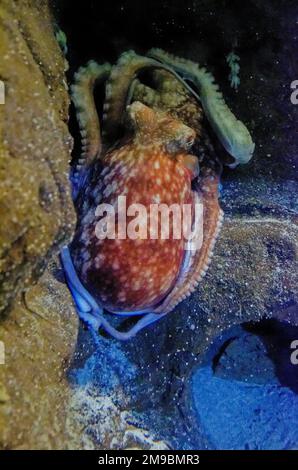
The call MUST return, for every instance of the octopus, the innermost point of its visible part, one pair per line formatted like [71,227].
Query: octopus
[166,132]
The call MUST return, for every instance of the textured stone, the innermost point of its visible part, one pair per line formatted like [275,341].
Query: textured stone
[37,216]
[36,210]
[244,395]
[39,337]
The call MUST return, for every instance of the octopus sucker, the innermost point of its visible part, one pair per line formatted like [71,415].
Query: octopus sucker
[155,148]
[82,96]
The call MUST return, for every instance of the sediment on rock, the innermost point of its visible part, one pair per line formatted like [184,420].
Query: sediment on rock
[36,210]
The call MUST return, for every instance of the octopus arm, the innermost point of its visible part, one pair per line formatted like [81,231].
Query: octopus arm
[120,89]
[231,132]
[83,99]
[145,94]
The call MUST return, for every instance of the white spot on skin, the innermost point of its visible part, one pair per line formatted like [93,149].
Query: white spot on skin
[99,260]
[115,265]
[136,285]
[122,296]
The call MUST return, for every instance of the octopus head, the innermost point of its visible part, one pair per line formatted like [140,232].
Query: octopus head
[156,127]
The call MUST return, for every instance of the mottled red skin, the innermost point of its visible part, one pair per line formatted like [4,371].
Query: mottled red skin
[132,275]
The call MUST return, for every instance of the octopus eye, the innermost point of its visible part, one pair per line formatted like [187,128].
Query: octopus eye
[182,143]
[189,143]
[174,146]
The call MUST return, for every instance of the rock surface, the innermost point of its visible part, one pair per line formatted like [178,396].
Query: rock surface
[240,398]
[37,216]
[39,337]
[36,210]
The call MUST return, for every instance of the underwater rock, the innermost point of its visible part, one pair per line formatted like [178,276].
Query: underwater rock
[37,216]
[255,273]
[105,425]
[36,210]
[240,401]
[99,414]
[244,416]
[258,353]
[39,337]
[243,357]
